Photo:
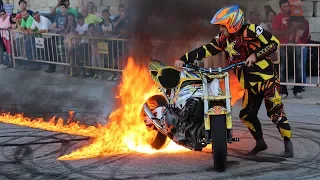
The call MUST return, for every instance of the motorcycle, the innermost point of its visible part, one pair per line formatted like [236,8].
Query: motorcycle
[193,110]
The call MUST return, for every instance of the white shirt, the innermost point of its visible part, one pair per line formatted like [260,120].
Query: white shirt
[44,24]
[106,28]
[82,29]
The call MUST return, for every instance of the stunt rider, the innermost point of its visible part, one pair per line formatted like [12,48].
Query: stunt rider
[252,44]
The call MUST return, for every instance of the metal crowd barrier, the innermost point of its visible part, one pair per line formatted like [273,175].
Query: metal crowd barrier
[44,48]
[108,54]
[68,50]
[299,64]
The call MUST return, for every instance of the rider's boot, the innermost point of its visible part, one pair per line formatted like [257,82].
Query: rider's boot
[260,146]
[288,148]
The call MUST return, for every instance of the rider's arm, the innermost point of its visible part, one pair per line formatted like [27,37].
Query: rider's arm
[205,51]
[268,42]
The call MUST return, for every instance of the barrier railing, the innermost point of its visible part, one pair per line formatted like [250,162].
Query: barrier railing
[44,48]
[297,64]
[98,53]
[77,51]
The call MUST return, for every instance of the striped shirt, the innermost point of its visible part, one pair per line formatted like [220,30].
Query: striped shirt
[8,8]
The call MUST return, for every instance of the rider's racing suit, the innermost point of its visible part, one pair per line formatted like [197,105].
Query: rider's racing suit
[260,80]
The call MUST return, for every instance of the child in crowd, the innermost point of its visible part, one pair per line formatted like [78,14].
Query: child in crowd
[95,56]
[82,28]
[8,7]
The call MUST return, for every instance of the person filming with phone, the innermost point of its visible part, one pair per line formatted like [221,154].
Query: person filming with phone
[121,20]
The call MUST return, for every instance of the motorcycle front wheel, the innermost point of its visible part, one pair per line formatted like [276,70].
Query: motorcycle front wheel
[219,144]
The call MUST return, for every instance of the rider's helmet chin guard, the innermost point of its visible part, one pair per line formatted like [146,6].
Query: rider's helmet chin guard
[231,16]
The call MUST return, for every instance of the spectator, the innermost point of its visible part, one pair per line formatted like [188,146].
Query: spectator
[79,52]
[82,28]
[90,18]
[90,7]
[8,7]
[304,39]
[57,10]
[296,19]
[121,20]
[26,22]
[29,41]
[70,24]
[23,7]
[5,38]
[40,24]
[1,4]
[69,40]
[282,30]
[254,17]
[106,25]
[74,47]
[123,28]
[106,28]
[17,37]
[58,25]
[266,24]
[95,56]
[14,21]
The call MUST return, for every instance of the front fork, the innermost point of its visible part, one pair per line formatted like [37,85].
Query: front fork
[218,110]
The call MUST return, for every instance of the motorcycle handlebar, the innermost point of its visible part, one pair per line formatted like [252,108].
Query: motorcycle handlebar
[213,70]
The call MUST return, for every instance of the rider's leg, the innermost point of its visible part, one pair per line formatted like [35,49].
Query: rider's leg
[275,111]
[250,107]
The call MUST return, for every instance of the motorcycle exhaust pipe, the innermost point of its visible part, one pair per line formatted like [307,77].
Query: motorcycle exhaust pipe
[152,118]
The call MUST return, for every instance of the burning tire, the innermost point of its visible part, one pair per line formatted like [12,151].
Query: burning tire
[160,140]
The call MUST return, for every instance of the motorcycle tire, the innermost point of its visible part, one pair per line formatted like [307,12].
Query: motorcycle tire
[219,142]
[161,141]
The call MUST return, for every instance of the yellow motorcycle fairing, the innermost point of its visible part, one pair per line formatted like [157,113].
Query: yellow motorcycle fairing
[169,77]
[166,76]
[214,111]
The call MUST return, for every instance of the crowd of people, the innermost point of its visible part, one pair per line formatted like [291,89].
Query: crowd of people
[67,22]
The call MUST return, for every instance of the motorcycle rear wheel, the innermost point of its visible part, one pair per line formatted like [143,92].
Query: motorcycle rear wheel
[160,141]
[219,143]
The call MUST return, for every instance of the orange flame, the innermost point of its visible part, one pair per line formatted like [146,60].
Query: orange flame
[125,131]
[73,128]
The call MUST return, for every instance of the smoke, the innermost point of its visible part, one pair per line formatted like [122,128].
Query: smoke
[167,29]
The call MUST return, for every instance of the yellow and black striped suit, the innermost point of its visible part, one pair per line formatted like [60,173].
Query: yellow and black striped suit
[260,80]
